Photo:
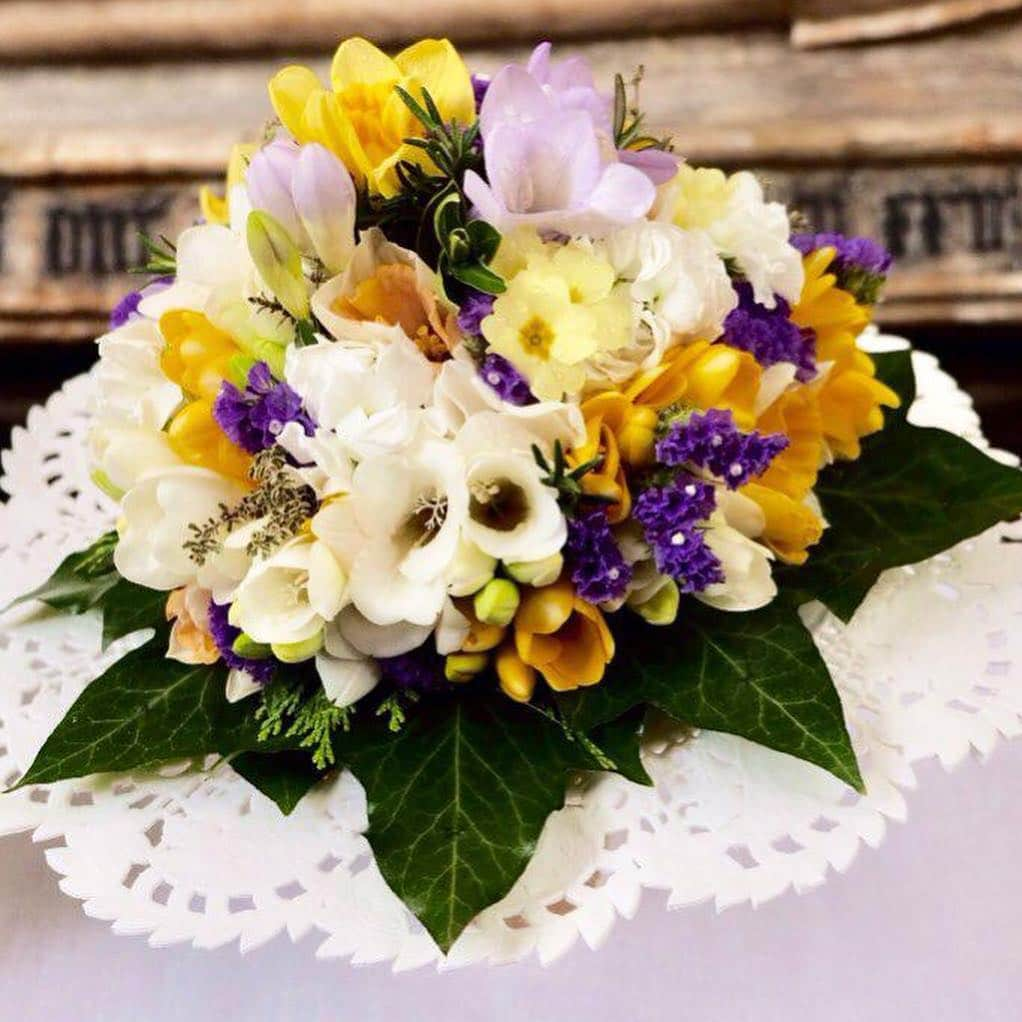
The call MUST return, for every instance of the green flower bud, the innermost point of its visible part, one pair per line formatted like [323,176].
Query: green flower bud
[278,261]
[296,652]
[461,667]
[496,602]
[105,483]
[244,645]
[537,573]
[662,607]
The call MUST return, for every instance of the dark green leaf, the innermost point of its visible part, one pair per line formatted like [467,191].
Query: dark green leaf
[756,674]
[285,777]
[128,607]
[146,709]
[621,740]
[485,239]
[914,493]
[81,580]
[479,277]
[457,799]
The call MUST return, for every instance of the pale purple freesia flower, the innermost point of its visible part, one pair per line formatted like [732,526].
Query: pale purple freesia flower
[309,191]
[546,165]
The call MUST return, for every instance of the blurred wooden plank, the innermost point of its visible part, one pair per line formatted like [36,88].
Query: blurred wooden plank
[34,29]
[731,99]
[835,22]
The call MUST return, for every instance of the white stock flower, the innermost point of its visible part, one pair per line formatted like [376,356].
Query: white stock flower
[742,225]
[371,398]
[512,514]
[155,518]
[132,387]
[289,597]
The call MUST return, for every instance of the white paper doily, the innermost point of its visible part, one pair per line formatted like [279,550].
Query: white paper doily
[930,666]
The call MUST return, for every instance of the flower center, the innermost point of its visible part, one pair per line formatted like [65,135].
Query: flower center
[536,337]
[429,512]
[499,504]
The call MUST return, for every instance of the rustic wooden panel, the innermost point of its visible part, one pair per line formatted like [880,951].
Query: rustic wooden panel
[34,29]
[736,99]
[832,22]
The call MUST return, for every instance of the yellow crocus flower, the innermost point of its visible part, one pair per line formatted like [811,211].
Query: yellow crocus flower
[558,635]
[362,118]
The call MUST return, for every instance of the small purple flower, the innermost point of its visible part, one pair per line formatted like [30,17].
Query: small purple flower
[224,634]
[861,264]
[507,381]
[474,309]
[125,310]
[598,568]
[671,517]
[254,417]
[420,669]
[712,441]
[769,335]
[480,83]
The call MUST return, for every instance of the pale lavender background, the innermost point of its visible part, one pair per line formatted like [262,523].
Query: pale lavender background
[927,928]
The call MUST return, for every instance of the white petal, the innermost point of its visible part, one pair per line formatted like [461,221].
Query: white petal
[380,640]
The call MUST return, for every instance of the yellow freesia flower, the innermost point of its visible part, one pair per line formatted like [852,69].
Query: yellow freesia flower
[560,636]
[563,307]
[796,414]
[217,208]
[850,398]
[196,437]
[362,118]
[791,525]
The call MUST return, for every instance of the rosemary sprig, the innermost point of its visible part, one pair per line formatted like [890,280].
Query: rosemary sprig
[568,481]
[161,255]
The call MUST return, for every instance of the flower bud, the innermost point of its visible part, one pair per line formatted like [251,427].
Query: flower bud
[635,439]
[662,607]
[482,637]
[537,573]
[268,181]
[517,679]
[470,570]
[296,652]
[496,602]
[462,667]
[245,646]
[279,262]
[325,200]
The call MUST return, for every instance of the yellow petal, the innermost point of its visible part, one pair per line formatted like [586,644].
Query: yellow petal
[436,65]
[237,164]
[325,121]
[517,679]
[358,62]
[290,89]
[213,206]
[384,180]
[543,611]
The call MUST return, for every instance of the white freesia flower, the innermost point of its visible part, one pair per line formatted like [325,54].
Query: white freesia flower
[748,581]
[132,386]
[347,674]
[742,225]
[369,639]
[155,515]
[677,277]
[512,514]
[122,454]
[410,507]
[289,597]
[371,398]
[460,392]
[470,570]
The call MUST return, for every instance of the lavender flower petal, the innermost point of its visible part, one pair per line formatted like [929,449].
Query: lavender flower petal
[769,335]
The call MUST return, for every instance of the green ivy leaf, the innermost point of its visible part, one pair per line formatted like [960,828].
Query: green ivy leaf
[457,800]
[128,607]
[478,276]
[81,580]
[756,674]
[914,493]
[621,740]
[146,709]
[285,777]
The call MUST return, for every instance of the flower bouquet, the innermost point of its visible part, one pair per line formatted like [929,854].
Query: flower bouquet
[467,432]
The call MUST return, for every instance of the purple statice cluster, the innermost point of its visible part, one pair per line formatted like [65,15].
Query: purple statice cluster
[712,441]
[671,517]
[598,568]
[507,381]
[224,634]
[473,310]
[126,309]
[254,417]
[419,670]
[861,264]
[769,335]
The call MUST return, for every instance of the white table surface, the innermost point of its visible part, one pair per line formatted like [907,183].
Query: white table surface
[929,927]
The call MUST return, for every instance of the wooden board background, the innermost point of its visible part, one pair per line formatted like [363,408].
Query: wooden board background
[112,112]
